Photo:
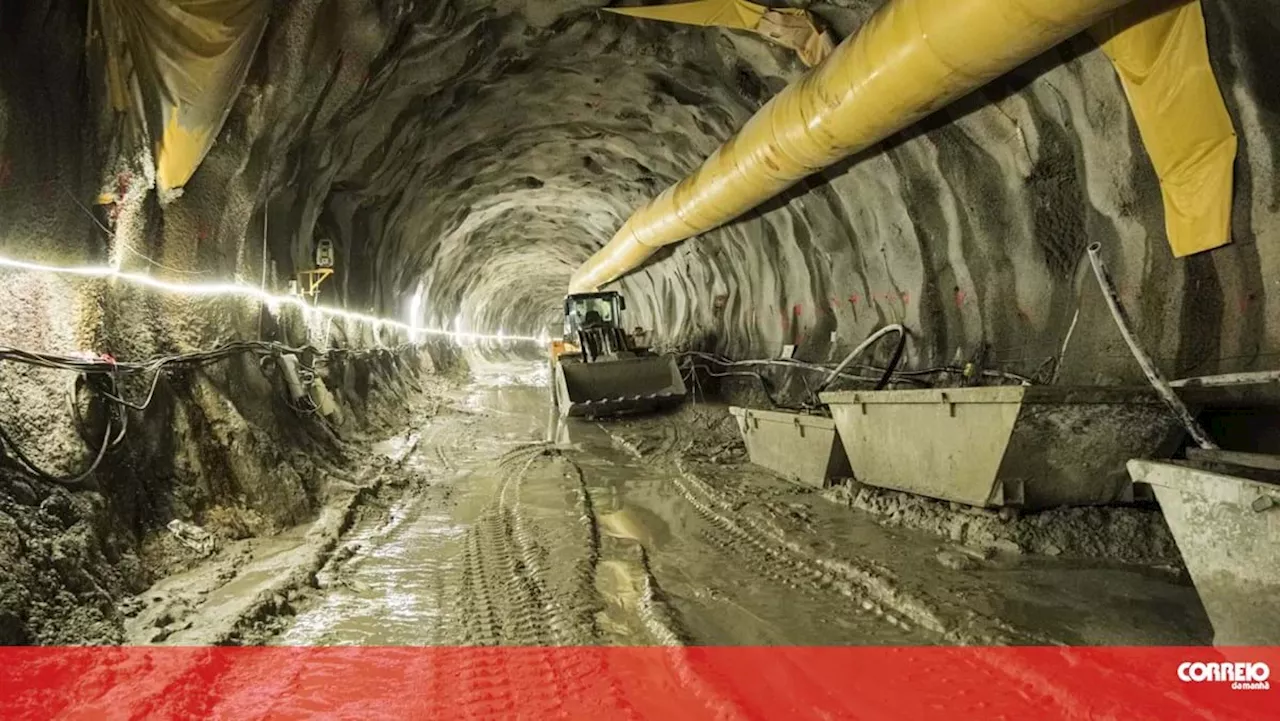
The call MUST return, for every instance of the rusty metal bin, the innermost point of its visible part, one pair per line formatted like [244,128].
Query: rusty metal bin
[801,448]
[1228,529]
[1025,446]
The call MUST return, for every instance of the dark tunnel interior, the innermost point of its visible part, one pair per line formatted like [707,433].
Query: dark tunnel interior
[337,324]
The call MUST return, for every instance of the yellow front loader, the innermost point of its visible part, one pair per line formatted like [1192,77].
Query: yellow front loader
[598,369]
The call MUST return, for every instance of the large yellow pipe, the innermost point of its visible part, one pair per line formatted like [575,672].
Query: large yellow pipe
[911,58]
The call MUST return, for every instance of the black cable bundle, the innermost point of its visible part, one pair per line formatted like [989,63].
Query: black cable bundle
[101,376]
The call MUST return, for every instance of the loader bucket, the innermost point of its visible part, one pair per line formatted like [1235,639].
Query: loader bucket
[615,387]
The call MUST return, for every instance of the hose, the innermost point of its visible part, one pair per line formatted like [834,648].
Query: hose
[871,339]
[898,375]
[1149,368]
[765,386]
[784,362]
[108,372]
[8,445]
[914,377]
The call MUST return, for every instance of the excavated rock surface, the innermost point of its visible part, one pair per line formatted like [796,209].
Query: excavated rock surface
[483,149]
[211,452]
[478,150]
[220,446]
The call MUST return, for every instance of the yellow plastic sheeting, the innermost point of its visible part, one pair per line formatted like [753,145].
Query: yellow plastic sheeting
[911,58]
[789,27]
[708,13]
[183,62]
[796,30]
[1158,49]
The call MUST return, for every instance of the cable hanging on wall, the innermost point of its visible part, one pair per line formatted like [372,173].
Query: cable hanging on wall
[101,375]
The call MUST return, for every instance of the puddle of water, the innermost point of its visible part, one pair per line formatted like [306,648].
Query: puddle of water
[719,580]
[398,447]
[393,590]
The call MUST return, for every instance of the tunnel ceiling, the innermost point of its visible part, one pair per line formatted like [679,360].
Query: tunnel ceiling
[494,146]
[484,149]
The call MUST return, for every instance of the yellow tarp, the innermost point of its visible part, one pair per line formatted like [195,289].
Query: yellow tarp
[719,13]
[1158,48]
[182,62]
[789,27]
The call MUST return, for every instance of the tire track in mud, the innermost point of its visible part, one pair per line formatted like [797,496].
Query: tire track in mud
[549,596]
[531,571]
[512,592]
[871,589]
[501,544]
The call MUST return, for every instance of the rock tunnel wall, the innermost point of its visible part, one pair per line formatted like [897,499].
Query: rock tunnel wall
[221,446]
[481,149]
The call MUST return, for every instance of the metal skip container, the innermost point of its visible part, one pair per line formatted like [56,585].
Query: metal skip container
[1031,447]
[1227,526]
[799,447]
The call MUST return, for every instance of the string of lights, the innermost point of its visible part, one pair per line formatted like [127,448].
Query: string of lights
[262,296]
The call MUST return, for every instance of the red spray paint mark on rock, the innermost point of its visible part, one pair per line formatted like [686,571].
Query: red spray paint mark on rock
[853,300]
[1246,301]
[960,296]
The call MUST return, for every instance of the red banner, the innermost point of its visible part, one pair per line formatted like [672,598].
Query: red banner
[661,683]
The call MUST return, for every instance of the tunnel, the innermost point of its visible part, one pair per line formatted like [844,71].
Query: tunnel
[286,335]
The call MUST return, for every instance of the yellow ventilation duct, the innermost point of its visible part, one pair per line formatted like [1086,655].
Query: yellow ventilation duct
[911,58]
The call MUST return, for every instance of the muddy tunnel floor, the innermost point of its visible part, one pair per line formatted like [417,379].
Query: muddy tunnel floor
[492,522]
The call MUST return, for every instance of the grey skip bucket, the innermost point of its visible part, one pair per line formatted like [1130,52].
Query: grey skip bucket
[799,447]
[1025,446]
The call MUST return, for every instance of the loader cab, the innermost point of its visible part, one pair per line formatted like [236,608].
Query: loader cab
[587,310]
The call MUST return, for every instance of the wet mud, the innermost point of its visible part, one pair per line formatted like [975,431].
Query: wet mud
[499,525]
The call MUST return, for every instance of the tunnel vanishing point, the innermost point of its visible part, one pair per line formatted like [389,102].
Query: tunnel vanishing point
[947,319]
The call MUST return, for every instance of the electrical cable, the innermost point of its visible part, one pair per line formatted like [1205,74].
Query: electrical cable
[103,374]
[765,386]
[898,375]
[863,346]
[25,463]
[885,375]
